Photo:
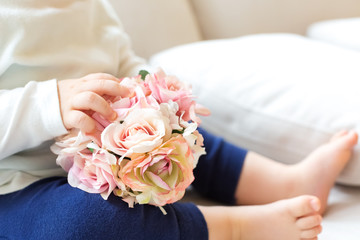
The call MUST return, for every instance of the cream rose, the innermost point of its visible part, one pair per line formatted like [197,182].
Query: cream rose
[142,131]
[161,176]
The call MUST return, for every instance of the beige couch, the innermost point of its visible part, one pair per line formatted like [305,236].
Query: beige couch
[270,61]
[155,25]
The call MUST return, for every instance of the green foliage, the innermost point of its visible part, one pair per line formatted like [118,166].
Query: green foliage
[143,74]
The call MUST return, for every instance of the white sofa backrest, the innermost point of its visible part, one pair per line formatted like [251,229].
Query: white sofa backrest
[232,18]
[154,25]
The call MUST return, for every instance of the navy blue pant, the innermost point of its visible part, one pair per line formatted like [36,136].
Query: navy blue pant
[52,209]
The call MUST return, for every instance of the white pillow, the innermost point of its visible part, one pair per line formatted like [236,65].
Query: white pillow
[280,95]
[342,32]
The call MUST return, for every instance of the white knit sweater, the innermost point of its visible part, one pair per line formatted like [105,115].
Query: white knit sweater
[42,42]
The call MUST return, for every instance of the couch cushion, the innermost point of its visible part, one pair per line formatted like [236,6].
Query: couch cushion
[233,18]
[280,95]
[342,32]
[158,24]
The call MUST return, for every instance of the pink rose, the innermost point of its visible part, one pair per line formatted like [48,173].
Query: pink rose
[139,98]
[168,88]
[160,176]
[92,172]
[67,145]
[123,106]
[142,131]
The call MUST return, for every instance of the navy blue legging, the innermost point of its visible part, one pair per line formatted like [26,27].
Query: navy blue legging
[52,209]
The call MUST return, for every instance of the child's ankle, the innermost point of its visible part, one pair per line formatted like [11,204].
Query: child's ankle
[221,222]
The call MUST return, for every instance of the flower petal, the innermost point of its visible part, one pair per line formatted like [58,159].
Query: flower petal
[157,180]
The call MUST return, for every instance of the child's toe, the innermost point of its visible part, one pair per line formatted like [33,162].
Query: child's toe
[347,141]
[304,205]
[311,233]
[339,134]
[309,222]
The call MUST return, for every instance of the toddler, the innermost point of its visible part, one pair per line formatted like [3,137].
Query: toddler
[59,60]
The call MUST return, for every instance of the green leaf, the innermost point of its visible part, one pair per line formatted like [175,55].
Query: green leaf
[91,150]
[178,131]
[143,74]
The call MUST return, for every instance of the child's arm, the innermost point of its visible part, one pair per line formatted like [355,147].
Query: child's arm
[32,114]
[29,116]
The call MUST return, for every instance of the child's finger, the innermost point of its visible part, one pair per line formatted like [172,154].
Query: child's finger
[91,101]
[78,119]
[107,87]
[104,76]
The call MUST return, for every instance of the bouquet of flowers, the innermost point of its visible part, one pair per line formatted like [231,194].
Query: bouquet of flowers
[147,155]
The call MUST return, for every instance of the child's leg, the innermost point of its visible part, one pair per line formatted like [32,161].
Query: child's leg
[217,173]
[52,209]
[217,177]
[263,180]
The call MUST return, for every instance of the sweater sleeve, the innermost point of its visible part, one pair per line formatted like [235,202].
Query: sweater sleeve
[29,116]
[218,172]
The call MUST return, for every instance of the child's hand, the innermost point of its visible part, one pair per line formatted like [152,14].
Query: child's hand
[79,98]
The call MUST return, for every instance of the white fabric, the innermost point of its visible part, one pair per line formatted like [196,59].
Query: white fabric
[280,95]
[42,40]
[341,220]
[341,32]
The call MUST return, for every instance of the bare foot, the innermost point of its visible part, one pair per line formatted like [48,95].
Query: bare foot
[263,180]
[317,174]
[291,219]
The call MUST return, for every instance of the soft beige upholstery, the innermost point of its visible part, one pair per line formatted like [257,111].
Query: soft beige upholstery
[155,25]
[232,18]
